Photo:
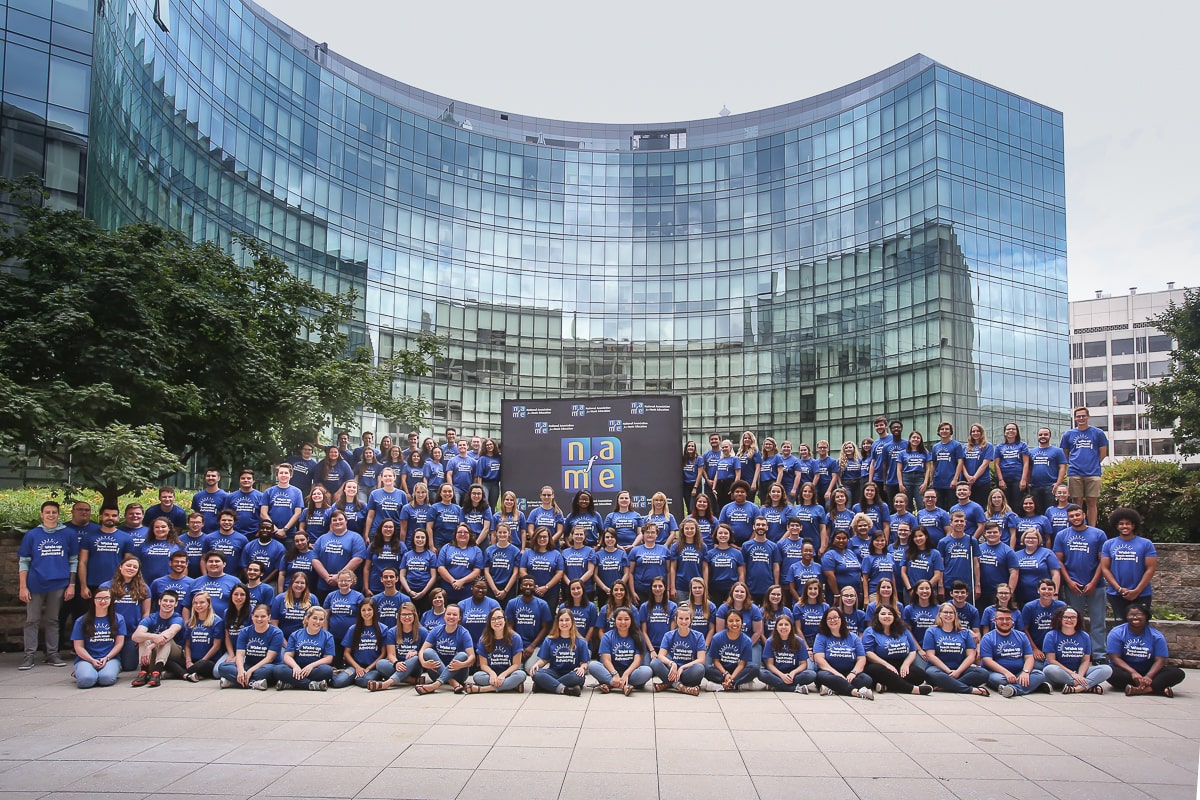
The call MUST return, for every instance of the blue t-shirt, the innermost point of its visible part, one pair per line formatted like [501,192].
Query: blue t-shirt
[218,590]
[289,618]
[230,546]
[610,566]
[946,458]
[343,609]
[950,646]
[1007,651]
[1127,562]
[958,560]
[105,551]
[448,644]
[391,505]
[1079,551]
[621,649]
[209,504]
[551,518]
[657,617]
[246,505]
[370,646]
[54,556]
[786,657]
[335,552]
[501,563]
[723,564]
[103,637]
[200,638]
[1036,619]
[777,519]
[586,616]
[808,617]
[308,647]
[1010,459]
[1031,568]
[923,566]
[1083,451]
[935,523]
[649,563]
[501,656]
[590,523]
[893,647]
[1069,650]
[256,645]
[1138,649]
[527,618]
[973,457]
[761,560]
[845,566]
[462,470]
[994,565]
[281,503]
[740,518]
[811,519]
[445,518]
[269,556]
[728,652]
[683,649]
[475,615]
[1044,465]
[920,618]
[156,558]
[542,567]
[841,653]
[564,654]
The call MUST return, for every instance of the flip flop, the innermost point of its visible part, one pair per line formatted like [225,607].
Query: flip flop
[627,690]
[428,688]
[604,688]
[981,691]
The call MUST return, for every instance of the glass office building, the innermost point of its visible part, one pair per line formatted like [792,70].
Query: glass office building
[893,246]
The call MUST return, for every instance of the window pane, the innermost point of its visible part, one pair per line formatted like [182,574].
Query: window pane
[1122,372]
[69,84]
[1095,349]
[25,71]
[1095,374]
[1093,399]
[1122,347]
[1160,344]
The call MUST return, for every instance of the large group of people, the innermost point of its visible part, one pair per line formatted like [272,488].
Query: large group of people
[960,567]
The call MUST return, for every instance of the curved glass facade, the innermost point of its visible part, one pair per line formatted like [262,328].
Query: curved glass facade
[895,246]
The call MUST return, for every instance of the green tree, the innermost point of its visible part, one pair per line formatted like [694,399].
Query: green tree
[1175,399]
[124,353]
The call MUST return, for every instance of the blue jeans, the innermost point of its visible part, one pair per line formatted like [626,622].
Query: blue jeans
[775,682]
[87,676]
[1036,679]
[1095,607]
[283,674]
[509,684]
[689,676]
[971,677]
[408,669]
[382,670]
[638,678]
[1096,674]
[444,674]
[551,679]
[744,677]
[228,670]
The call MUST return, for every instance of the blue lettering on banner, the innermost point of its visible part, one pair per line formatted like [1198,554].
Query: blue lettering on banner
[592,463]
[614,426]
[637,408]
[578,410]
[541,427]
[518,412]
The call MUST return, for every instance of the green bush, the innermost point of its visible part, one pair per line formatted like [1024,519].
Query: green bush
[21,508]
[1166,495]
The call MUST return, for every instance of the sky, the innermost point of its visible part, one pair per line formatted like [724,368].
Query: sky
[1124,76]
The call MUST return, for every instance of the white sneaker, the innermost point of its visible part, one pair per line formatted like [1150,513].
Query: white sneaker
[260,684]
[227,684]
[803,688]
[1007,691]
[826,691]
[710,686]
[866,694]
[318,686]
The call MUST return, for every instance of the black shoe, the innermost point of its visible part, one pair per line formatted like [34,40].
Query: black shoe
[572,691]
[142,679]
[155,678]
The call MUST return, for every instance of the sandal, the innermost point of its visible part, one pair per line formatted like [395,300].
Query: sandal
[428,688]
[520,688]
[627,690]
[1070,690]
[692,690]
[378,686]
[661,687]
[981,691]
[470,688]
[460,689]
[1097,689]
[604,688]
[1168,693]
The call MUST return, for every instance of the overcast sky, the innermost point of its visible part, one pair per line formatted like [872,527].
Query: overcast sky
[1124,76]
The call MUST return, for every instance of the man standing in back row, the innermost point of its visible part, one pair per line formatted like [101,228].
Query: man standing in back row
[1086,448]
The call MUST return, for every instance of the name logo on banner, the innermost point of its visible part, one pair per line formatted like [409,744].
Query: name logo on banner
[541,427]
[592,463]
[614,426]
[578,410]
[518,412]
[637,408]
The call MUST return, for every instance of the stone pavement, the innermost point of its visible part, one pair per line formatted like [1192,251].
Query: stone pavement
[183,740]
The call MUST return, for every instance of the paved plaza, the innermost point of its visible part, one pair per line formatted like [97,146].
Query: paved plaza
[183,740]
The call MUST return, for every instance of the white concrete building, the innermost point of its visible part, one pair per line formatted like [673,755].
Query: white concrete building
[1114,347]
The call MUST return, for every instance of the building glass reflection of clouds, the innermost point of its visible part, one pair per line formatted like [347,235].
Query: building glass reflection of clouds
[896,245]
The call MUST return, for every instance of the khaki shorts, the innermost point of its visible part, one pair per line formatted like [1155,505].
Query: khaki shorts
[1080,486]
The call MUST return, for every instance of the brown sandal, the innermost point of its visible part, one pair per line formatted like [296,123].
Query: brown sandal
[604,688]
[627,690]
[661,687]
[692,690]
[378,686]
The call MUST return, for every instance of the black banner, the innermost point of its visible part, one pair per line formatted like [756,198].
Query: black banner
[605,445]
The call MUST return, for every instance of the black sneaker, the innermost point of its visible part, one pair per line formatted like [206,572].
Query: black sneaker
[572,691]
[142,679]
[155,678]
